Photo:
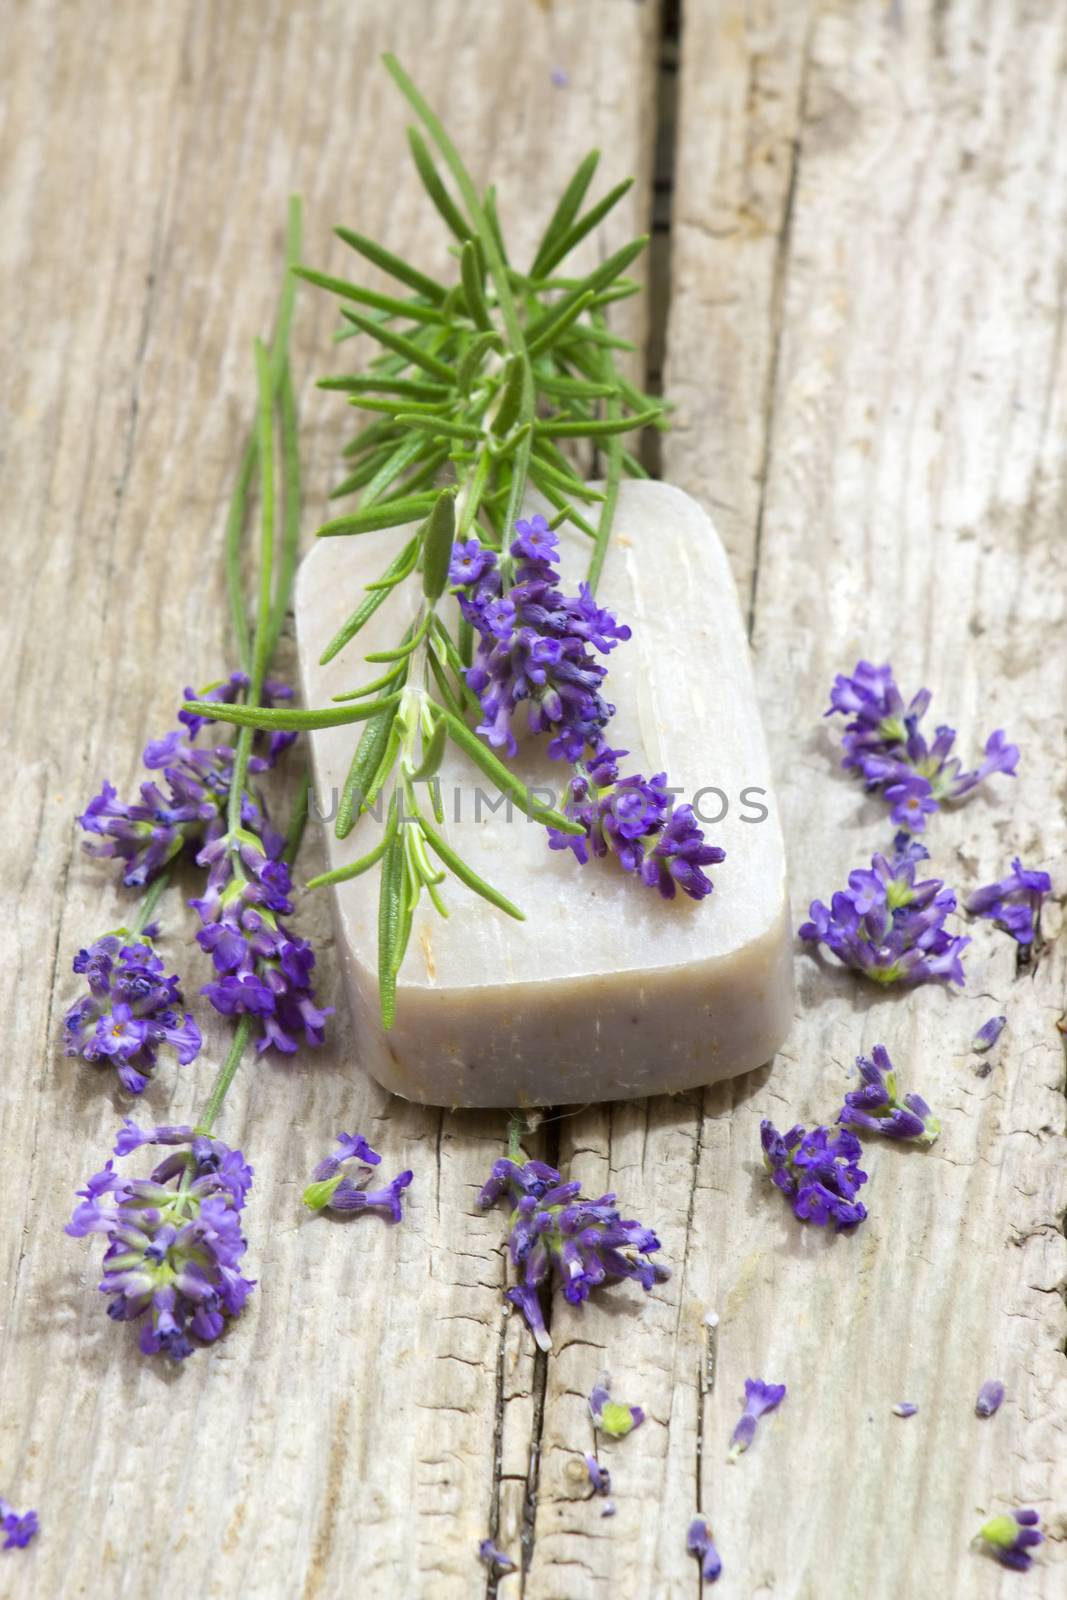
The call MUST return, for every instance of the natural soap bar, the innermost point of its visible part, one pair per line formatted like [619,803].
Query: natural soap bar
[605,991]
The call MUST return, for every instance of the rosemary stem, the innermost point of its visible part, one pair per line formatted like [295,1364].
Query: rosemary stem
[298,820]
[226,1074]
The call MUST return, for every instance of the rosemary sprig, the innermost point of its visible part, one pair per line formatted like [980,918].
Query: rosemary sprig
[482,383]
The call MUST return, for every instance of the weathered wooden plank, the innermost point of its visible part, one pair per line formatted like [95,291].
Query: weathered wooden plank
[346,1431]
[912,509]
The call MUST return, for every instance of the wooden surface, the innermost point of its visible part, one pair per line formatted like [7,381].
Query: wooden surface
[864,337]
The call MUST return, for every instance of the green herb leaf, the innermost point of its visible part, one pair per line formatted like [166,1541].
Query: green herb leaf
[437,538]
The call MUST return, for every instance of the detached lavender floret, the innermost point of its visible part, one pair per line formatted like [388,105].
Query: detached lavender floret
[990,1396]
[760,1398]
[608,1415]
[495,1559]
[148,834]
[535,644]
[988,1034]
[883,743]
[333,1189]
[631,819]
[888,927]
[699,1543]
[1011,1536]
[1014,902]
[174,1239]
[17,1530]
[585,1242]
[905,1408]
[131,1008]
[819,1173]
[875,1107]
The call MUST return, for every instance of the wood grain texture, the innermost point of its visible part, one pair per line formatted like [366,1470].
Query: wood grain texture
[347,1434]
[865,341]
[910,507]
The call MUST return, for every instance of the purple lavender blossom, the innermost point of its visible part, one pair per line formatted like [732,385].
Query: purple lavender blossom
[818,1172]
[1014,902]
[699,1543]
[262,969]
[148,834]
[988,1034]
[630,819]
[884,745]
[599,1476]
[129,1010]
[17,1530]
[760,1397]
[174,1239]
[1011,1536]
[535,644]
[905,1408]
[552,1229]
[333,1189]
[990,1396]
[875,1108]
[888,927]
[608,1415]
[495,1559]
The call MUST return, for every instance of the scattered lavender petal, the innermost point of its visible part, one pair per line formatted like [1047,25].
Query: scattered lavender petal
[989,1399]
[988,1034]
[905,1408]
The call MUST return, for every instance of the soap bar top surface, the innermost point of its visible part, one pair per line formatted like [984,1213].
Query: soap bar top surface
[685,704]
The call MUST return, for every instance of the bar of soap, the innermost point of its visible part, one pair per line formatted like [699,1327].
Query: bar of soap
[606,991]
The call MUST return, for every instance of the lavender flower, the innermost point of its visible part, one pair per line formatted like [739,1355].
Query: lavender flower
[174,1238]
[608,1415]
[888,927]
[988,1034]
[599,1476]
[1011,1536]
[495,1559]
[630,818]
[989,1399]
[535,644]
[129,1009]
[698,1542]
[263,970]
[876,1109]
[760,1397]
[17,1530]
[1014,902]
[333,1189]
[884,744]
[585,1242]
[148,834]
[818,1172]
[905,1408]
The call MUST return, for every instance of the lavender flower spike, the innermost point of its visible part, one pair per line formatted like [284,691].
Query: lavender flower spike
[875,1107]
[173,1253]
[17,1530]
[332,1189]
[988,1034]
[1014,902]
[535,644]
[699,1543]
[760,1397]
[884,744]
[888,927]
[1011,1536]
[631,820]
[495,1559]
[818,1172]
[130,1008]
[608,1415]
[553,1230]
[990,1396]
